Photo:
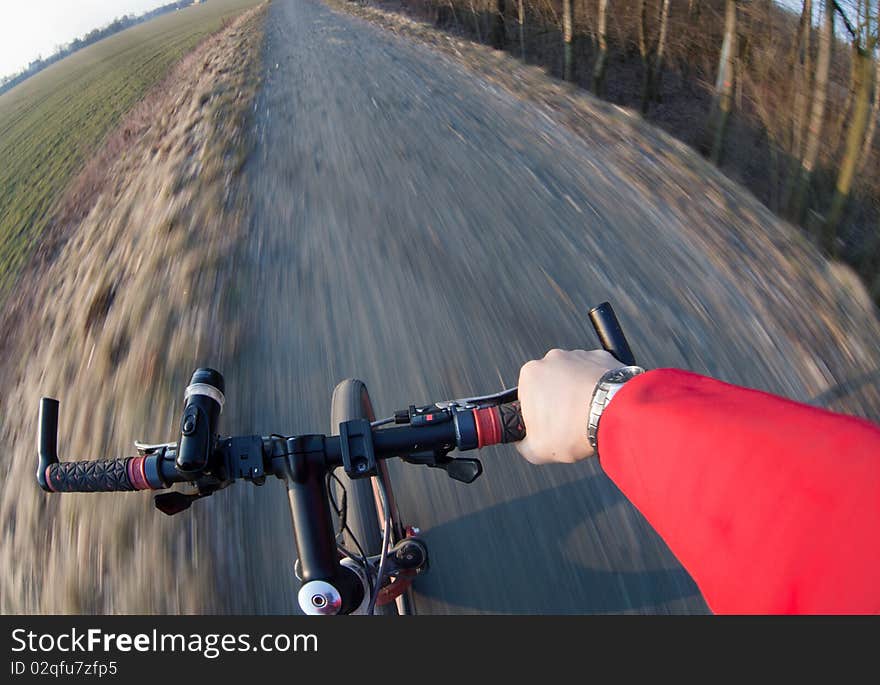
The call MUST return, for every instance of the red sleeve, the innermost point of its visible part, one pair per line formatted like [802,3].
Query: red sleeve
[772,506]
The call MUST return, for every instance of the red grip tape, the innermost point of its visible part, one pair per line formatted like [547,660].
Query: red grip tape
[49,478]
[488,423]
[136,473]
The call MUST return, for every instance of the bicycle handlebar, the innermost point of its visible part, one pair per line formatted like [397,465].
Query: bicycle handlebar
[434,430]
[304,462]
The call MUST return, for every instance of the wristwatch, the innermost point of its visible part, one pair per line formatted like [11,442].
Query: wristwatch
[607,387]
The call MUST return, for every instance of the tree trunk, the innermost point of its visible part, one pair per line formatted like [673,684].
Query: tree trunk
[602,57]
[521,13]
[499,35]
[802,74]
[476,22]
[723,98]
[646,58]
[875,108]
[836,133]
[817,115]
[872,119]
[567,39]
[657,80]
[854,139]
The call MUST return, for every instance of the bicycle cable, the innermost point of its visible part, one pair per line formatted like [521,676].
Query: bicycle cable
[386,540]
[342,513]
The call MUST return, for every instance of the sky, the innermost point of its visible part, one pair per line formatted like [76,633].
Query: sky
[32,28]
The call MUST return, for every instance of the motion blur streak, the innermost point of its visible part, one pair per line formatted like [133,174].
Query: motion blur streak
[389,214]
[426,232]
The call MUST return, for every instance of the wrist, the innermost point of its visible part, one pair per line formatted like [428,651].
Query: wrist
[606,388]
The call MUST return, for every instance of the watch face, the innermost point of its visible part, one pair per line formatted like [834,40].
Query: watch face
[619,376]
[622,374]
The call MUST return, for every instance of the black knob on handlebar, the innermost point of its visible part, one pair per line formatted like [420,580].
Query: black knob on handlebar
[47,447]
[198,427]
[610,333]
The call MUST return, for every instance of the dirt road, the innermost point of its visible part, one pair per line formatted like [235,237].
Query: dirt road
[419,228]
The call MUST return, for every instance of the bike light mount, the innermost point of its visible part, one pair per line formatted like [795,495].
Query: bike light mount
[243,458]
[356,445]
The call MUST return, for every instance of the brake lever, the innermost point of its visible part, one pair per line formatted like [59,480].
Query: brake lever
[145,448]
[450,406]
[501,397]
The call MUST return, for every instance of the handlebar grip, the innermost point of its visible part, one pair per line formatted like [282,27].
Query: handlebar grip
[105,475]
[610,333]
[499,424]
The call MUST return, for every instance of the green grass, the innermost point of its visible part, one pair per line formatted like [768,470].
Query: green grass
[51,123]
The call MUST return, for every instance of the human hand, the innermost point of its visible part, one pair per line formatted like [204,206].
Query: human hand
[555,394]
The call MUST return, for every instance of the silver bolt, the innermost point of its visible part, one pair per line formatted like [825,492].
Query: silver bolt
[319,601]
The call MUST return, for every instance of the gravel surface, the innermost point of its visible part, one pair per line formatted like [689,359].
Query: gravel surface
[422,228]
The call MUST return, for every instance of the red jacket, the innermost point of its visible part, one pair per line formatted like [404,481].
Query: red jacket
[772,506]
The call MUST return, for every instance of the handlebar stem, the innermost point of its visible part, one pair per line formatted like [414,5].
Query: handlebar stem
[310,508]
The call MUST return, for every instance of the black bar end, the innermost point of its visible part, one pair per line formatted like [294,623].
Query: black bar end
[610,333]
[47,445]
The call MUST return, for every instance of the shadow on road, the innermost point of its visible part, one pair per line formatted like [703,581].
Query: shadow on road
[863,383]
[562,524]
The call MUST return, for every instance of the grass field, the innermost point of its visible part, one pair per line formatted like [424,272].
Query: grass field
[50,123]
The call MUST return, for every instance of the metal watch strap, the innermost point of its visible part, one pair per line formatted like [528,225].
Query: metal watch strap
[607,387]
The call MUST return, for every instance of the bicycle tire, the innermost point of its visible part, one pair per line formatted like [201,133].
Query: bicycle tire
[352,401]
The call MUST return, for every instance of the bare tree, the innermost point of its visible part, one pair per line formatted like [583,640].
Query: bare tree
[644,53]
[602,57]
[567,39]
[499,32]
[521,15]
[854,138]
[723,97]
[863,71]
[476,21]
[802,76]
[875,108]
[657,79]
[817,114]
[872,118]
